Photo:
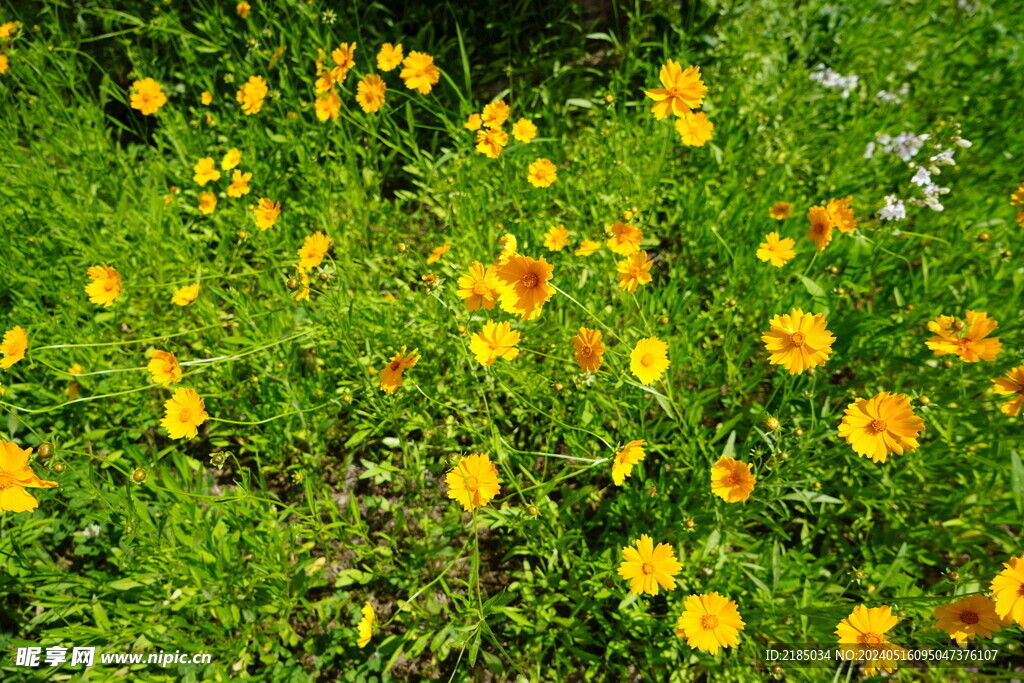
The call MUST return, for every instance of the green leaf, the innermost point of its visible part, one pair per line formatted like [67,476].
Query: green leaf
[812,287]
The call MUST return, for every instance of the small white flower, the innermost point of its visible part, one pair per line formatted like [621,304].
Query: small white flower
[922,177]
[894,210]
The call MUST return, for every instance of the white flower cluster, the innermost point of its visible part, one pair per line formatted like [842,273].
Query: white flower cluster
[894,97]
[830,79]
[906,146]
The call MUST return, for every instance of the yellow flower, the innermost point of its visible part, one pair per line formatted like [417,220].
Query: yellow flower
[480,288]
[251,95]
[185,295]
[328,107]
[683,91]
[776,251]
[9,29]
[495,114]
[1013,385]
[436,255]
[1008,590]
[185,412]
[391,375]
[798,341]
[967,618]
[75,369]
[634,270]
[542,173]
[622,464]
[389,57]
[966,338]
[490,142]
[862,635]
[694,128]
[781,210]
[266,213]
[242,9]
[732,480]
[524,130]
[239,184]
[820,230]
[473,122]
[526,286]
[649,360]
[710,621]
[5,63]
[587,247]
[232,158]
[344,57]
[494,341]
[105,286]
[164,368]
[881,425]
[313,250]
[509,245]
[625,239]
[589,349]
[556,238]
[419,72]
[474,481]
[15,476]
[206,98]
[207,203]
[840,215]
[646,567]
[366,625]
[206,170]
[1017,198]
[148,96]
[13,347]
[370,93]
[304,290]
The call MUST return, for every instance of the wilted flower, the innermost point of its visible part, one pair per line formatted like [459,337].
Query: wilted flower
[391,375]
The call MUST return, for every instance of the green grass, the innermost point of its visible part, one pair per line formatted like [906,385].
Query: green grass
[331,493]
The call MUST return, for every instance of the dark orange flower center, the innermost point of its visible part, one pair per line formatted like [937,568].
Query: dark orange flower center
[7,481]
[1020,591]
[970,617]
[530,280]
[587,352]
[472,483]
[395,365]
[877,426]
[733,479]
[798,339]
[708,622]
[648,568]
[480,288]
[871,639]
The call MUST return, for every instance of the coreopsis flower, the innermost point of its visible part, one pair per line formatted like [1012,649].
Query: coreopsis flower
[370,93]
[495,114]
[8,29]
[624,239]
[509,247]
[324,81]
[436,255]
[391,375]
[206,170]
[556,238]
[494,341]
[185,411]
[481,288]
[163,366]
[798,341]
[474,481]
[473,122]
[542,173]
[389,57]
[526,287]
[647,567]
[649,360]
[491,141]
[13,347]
[524,130]
[1017,198]
[242,9]
[105,286]
[76,369]
[344,57]
[862,635]
[820,230]
[206,98]
[266,213]
[968,339]
[313,250]
[419,72]
[970,617]
[1008,590]
[366,625]
[328,107]
[232,158]
[589,349]
[622,464]
[881,425]
[251,95]
[15,476]
[694,128]
[841,215]
[147,96]
[304,291]
[1011,385]
[634,270]
[732,480]
[185,295]
[587,247]
[710,621]
[207,203]
[776,251]
[683,91]
[239,184]
[781,210]
[5,63]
